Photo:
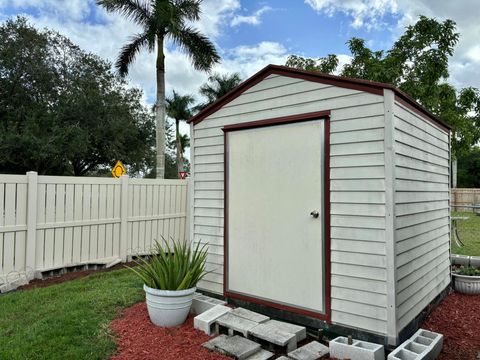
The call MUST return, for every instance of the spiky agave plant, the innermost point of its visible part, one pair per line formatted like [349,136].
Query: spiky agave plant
[173,267]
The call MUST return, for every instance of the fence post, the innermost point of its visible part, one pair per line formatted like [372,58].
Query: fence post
[189,212]
[124,218]
[31,245]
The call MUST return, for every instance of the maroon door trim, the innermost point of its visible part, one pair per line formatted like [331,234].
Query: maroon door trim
[325,115]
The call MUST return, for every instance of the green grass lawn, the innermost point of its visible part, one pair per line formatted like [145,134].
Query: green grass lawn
[67,320]
[469,232]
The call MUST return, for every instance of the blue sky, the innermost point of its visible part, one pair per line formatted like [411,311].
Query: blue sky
[251,34]
[304,30]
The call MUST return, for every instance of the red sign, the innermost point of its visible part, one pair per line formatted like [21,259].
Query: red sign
[183,175]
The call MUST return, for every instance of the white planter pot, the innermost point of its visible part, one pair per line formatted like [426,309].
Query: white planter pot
[467,284]
[167,307]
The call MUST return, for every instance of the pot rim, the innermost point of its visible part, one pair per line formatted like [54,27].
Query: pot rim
[168,293]
[466,277]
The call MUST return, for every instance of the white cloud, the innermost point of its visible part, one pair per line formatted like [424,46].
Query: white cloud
[464,65]
[249,59]
[342,61]
[253,19]
[215,14]
[366,13]
[76,9]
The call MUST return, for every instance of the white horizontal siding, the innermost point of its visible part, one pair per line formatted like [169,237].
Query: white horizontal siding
[357,187]
[422,156]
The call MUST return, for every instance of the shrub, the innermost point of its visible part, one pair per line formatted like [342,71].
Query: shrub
[469,271]
[173,267]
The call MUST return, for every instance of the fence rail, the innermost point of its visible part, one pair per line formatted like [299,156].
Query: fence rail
[51,222]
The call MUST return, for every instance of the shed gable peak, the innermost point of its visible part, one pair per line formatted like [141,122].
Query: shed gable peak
[317,77]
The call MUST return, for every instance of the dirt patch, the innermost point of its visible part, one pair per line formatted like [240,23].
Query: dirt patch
[39,283]
[139,339]
[458,319]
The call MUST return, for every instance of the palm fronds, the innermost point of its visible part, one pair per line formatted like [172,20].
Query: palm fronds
[129,52]
[136,10]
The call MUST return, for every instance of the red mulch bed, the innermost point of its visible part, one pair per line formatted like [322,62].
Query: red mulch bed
[458,319]
[139,339]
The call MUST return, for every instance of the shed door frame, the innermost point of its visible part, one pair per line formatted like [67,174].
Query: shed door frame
[320,115]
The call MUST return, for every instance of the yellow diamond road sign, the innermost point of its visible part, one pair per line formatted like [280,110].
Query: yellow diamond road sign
[118,170]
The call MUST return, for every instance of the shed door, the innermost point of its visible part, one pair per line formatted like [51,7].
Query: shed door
[275,246]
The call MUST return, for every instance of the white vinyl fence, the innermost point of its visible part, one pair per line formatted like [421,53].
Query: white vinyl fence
[465,196]
[52,222]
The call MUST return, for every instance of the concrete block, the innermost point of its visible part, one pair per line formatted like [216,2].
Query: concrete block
[234,324]
[299,331]
[235,346]
[13,284]
[359,350]
[422,345]
[311,351]
[202,303]
[206,320]
[261,355]
[271,334]
[250,315]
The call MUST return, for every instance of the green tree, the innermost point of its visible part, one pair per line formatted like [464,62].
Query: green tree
[62,111]
[179,109]
[163,20]
[326,64]
[469,169]
[185,142]
[217,86]
[417,63]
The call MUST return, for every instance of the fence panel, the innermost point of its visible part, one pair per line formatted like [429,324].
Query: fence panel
[13,223]
[153,215]
[52,222]
[465,196]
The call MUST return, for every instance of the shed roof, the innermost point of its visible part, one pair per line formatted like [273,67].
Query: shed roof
[350,83]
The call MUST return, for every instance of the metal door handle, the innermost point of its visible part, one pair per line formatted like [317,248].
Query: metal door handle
[315,214]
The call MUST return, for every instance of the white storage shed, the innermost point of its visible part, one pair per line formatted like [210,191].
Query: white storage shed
[325,197]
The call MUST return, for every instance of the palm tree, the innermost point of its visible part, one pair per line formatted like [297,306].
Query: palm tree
[163,20]
[185,141]
[217,86]
[179,109]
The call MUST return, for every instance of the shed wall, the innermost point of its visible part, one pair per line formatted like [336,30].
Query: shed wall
[422,183]
[358,261]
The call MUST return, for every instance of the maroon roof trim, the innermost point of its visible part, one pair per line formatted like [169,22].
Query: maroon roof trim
[356,84]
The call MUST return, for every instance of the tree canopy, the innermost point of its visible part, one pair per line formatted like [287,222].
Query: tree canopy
[218,85]
[179,108]
[63,111]
[468,169]
[417,63]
